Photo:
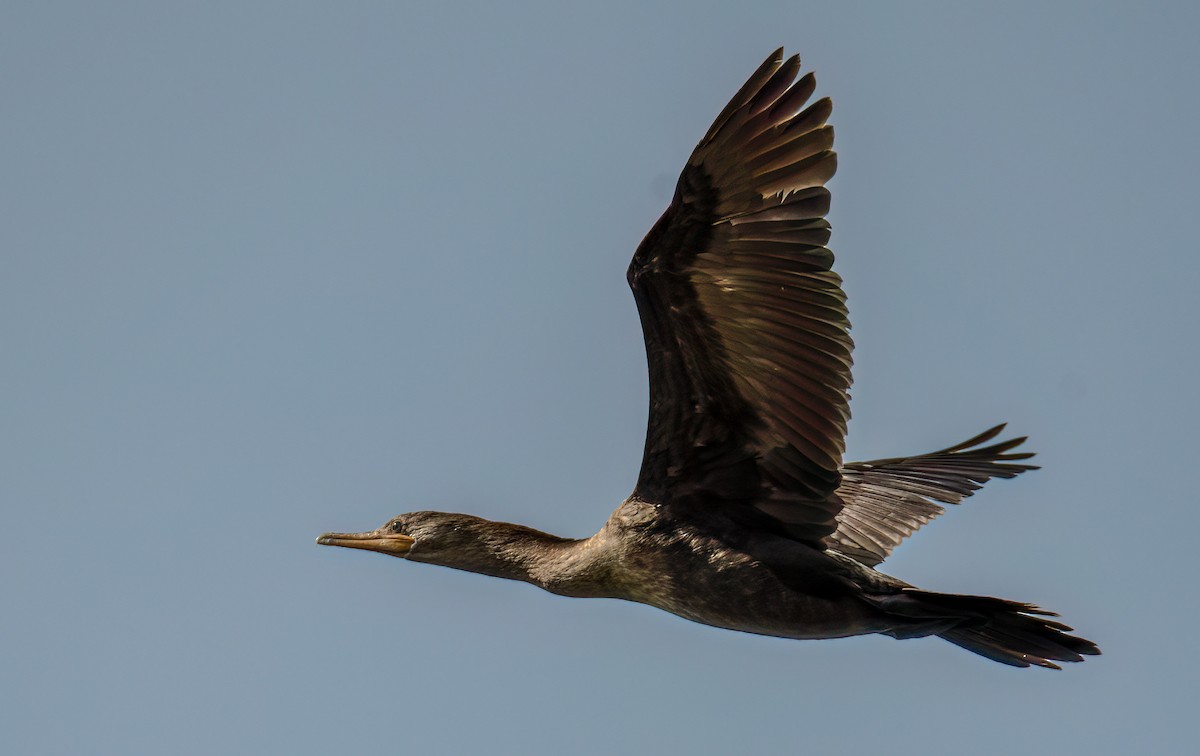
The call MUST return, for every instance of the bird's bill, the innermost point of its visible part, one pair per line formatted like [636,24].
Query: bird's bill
[383,542]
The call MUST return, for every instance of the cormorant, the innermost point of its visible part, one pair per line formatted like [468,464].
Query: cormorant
[743,515]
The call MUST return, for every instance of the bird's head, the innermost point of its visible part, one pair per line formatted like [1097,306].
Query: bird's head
[419,536]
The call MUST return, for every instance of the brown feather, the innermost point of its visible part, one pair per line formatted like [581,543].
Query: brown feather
[892,498]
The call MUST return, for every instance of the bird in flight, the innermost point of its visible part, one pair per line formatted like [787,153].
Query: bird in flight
[744,515]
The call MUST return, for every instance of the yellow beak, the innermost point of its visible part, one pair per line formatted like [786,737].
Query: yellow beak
[394,544]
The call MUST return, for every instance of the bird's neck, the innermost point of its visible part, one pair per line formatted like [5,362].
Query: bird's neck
[570,567]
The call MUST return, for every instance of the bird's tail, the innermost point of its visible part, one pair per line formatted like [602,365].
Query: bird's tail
[1009,632]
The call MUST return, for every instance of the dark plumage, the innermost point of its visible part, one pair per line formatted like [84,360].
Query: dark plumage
[743,515]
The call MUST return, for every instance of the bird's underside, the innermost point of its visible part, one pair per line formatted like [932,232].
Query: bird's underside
[744,515]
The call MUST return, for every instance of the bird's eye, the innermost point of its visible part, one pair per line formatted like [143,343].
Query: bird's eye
[397,527]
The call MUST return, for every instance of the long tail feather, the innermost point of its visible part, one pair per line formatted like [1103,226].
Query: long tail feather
[1009,632]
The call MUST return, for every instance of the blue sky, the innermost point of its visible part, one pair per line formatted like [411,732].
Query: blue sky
[272,269]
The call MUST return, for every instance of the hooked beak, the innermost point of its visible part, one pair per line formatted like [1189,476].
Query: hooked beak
[375,540]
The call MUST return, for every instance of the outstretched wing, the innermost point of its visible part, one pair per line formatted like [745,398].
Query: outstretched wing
[887,500]
[745,323]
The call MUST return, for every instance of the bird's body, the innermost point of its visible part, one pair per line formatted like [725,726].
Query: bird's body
[744,515]
[706,571]
[718,574]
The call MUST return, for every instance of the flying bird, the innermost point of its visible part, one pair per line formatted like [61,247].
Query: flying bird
[744,515]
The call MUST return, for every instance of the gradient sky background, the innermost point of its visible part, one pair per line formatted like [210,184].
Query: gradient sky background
[271,269]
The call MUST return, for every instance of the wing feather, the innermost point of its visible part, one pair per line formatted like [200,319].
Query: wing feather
[745,322]
[887,500]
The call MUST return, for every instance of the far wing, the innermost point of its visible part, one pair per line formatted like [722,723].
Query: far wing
[887,500]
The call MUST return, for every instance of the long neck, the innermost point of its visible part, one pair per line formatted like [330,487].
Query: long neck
[571,567]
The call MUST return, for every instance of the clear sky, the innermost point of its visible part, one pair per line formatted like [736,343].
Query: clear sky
[271,269]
